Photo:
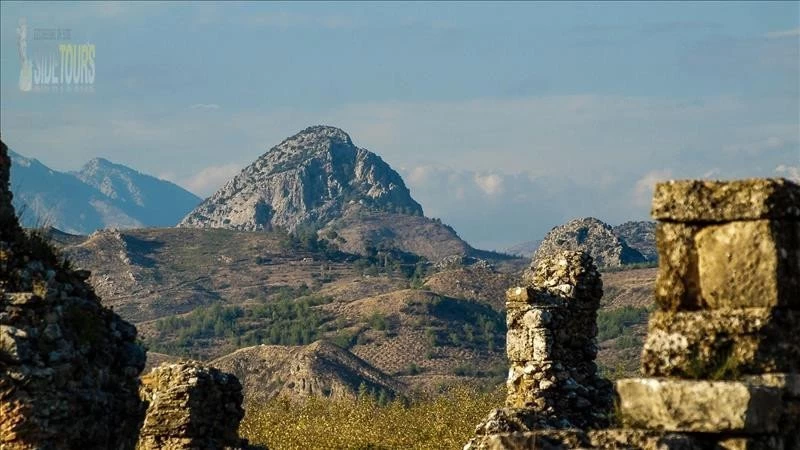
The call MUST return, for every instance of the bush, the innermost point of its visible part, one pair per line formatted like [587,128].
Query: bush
[445,421]
[412,369]
[613,323]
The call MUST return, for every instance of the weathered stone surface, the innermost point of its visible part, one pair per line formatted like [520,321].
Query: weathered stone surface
[531,440]
[591,236]
[764,442]
[700,406]
[571,275]
[550,334]
[722,344]
[677,285]
[640,236]
[738,264]
[641,439]
[705,201]
[625,438]
[68,366]
[754,263]
[190,406]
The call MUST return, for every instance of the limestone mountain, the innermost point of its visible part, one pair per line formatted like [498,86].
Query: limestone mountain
[592,236]
[101,195]
[640,236]
[320,369]
[310,178]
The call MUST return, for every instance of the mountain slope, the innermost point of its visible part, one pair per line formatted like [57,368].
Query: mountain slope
[640,236]
[360,229]
[308,179]
[151,201]
[320,369]
[46,197]
[101,195]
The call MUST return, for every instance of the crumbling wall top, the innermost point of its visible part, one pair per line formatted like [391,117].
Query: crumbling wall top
[724,201]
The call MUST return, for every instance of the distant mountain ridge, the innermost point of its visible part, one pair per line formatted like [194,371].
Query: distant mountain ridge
[101,194]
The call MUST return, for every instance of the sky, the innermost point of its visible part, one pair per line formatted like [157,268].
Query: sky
[505,119]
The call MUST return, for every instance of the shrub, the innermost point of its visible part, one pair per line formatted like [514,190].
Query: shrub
[441,422]
[613,323]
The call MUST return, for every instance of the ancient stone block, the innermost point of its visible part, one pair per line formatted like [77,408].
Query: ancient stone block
[754,263]
[529,344]
[766,442]
[190,406]
[570,275]
[700,406]
[641,439]
[531,440]
[722,344]
[738,264]
[550,334]
[677,286]
[704,201]
[624,438]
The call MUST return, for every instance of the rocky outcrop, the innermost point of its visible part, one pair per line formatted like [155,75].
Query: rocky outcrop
[591,236]
[191,406]
[640,236]
[308,179]
[68,366]
[320,369]
[453,262]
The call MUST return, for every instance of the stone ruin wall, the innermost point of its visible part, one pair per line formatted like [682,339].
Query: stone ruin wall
[551,344]
[190,406]
[69,367]
[721,359]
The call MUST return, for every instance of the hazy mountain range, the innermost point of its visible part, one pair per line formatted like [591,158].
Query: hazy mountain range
[101,194]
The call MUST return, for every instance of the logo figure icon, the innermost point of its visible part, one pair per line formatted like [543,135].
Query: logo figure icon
[26,66]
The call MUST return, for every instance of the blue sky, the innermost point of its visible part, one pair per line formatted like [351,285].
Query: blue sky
[504,118]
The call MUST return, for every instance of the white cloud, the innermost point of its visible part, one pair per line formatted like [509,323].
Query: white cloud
[794,32]
[790,172]
[208,180]
[490,184]
[643,190]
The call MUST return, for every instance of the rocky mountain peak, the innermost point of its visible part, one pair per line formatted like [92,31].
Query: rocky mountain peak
[591,236]
[309,178]
[322,133]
